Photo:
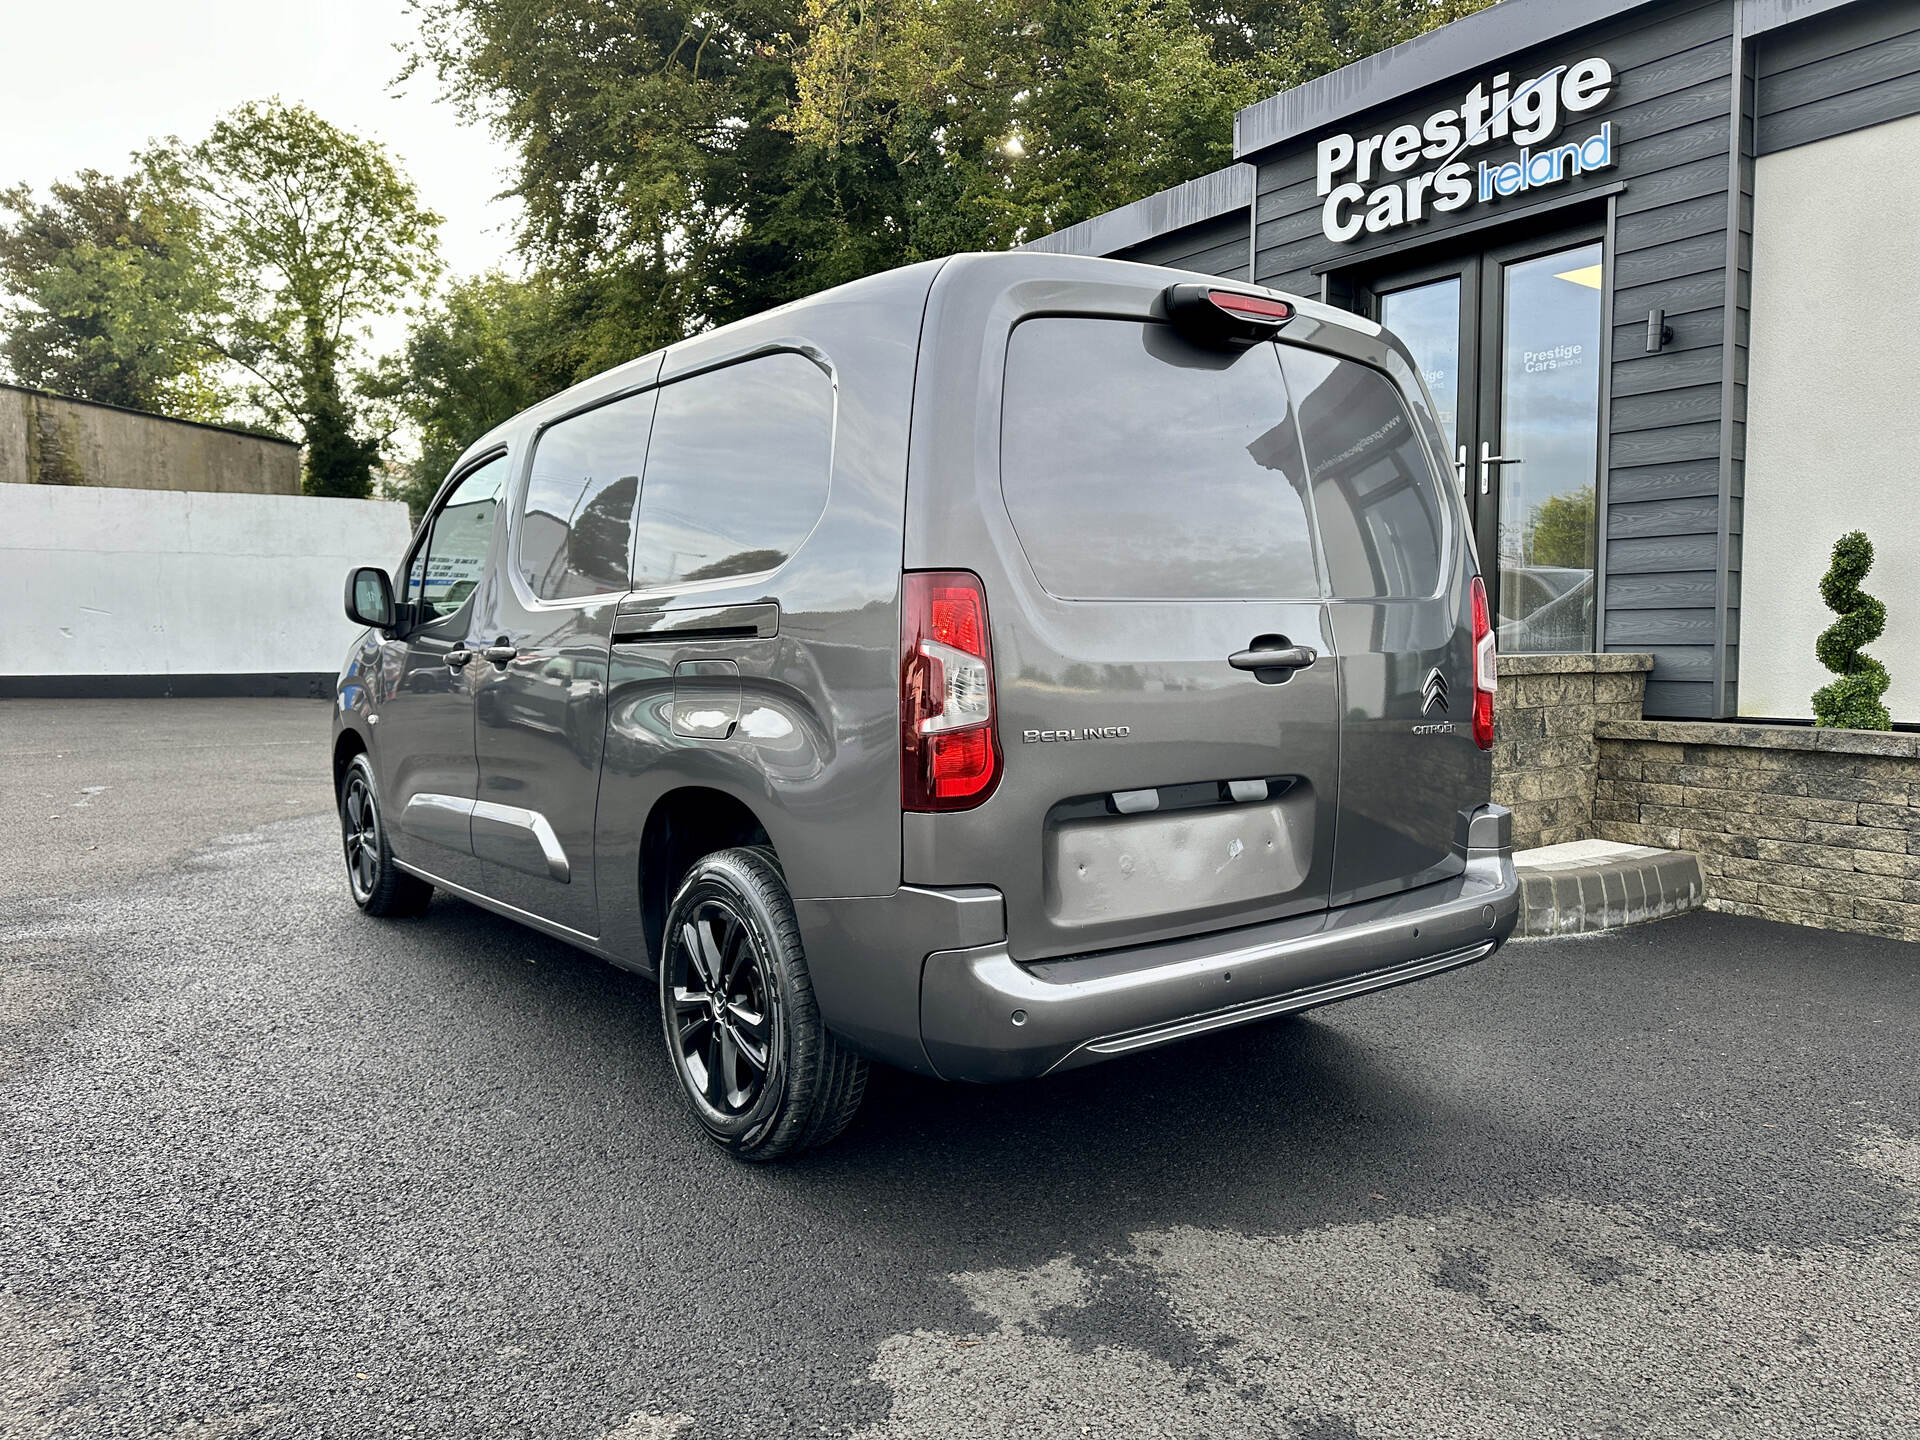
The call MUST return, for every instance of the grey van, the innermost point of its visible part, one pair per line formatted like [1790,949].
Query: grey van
[987,668]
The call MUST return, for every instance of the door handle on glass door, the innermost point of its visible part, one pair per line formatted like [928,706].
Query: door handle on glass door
[1460,468]
[1488,461]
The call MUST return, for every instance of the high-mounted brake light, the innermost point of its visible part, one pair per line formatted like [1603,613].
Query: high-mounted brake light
[949,754]
[1231,318]
[1485,667]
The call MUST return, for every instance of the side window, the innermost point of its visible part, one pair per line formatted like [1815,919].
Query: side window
[449,566]
[737,472]
[1375,496]
[577,517]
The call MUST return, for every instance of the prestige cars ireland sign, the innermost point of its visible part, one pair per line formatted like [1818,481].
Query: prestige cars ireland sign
[1362,179]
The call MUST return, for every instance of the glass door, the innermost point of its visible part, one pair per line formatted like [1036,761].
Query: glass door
[1539,447]
[1508,341]
[1436,312]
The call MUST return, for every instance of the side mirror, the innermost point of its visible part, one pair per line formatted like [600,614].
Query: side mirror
[370,598]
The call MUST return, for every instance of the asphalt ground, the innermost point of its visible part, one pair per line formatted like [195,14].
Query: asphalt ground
[269,1168]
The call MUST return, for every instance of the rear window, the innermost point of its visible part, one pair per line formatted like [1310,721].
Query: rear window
[1137,466]
[1375,496]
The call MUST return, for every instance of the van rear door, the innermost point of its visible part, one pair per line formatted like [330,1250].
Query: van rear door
[1410,770]
[1139,515]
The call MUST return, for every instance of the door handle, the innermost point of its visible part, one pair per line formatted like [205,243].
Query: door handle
[1489,460]
[457,658]
[502,654]
[1460,468]
[1288,658]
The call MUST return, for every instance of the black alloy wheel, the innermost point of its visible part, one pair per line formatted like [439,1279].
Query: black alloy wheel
[379,886]
[361,828]
[758,1069]
[724,1012]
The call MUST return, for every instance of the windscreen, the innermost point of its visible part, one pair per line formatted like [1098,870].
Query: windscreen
[1138,466]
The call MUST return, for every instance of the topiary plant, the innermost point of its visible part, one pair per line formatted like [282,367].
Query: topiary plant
[1853,701]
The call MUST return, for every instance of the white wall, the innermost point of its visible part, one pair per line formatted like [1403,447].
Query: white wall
[1833,407]
[144,582]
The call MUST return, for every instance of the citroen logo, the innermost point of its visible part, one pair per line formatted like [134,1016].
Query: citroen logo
[1433,693]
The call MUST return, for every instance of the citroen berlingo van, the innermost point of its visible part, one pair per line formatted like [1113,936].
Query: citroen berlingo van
[986,668]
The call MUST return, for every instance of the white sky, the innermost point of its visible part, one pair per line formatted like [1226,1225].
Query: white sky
[88,83]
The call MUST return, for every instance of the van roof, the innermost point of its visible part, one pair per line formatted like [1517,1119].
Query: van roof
[1012,267]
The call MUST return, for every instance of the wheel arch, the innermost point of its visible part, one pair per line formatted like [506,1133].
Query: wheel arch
[684,824]
[347,744]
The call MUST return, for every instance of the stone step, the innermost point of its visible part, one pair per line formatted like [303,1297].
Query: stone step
[1587,885]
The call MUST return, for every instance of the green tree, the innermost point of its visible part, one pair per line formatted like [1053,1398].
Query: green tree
[488,348]
[317,231]
[1852,702]
[1035,114]
[1560,530]
[114,294]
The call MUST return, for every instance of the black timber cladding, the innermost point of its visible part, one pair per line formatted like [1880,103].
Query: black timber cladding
[1204,224]
[1676,419]
[1214,247]
[1851,68]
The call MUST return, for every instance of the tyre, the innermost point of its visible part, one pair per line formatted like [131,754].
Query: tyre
[379,886]
[756,1067]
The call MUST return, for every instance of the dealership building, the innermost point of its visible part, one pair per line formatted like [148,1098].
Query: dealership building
[1658,262]
[1660,265]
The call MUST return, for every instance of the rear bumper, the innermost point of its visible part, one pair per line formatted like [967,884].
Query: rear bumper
[985,1017]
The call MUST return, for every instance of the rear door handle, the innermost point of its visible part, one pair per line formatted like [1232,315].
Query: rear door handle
[457,659]
[1290,657]
[501,655]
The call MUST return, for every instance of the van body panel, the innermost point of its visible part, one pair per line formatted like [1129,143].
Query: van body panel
[1100,699]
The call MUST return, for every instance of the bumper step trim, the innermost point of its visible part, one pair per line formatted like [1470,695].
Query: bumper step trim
[1278,1005]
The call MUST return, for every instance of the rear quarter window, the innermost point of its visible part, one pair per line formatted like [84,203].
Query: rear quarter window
[1136,466]
[1376,498]
[737,472]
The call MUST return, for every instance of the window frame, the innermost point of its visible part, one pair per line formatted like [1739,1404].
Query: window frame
[424,535]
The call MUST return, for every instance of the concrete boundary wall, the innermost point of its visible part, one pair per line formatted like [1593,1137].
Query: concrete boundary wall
[109,591]
[54,440]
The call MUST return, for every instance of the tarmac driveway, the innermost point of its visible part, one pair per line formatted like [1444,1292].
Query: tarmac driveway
[270,1168]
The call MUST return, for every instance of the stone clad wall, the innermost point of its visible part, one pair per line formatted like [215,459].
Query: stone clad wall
[1545,757]
[1810,826]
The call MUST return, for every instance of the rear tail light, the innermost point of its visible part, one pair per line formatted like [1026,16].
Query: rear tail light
[949,754]
[1485,667]
[1225,317]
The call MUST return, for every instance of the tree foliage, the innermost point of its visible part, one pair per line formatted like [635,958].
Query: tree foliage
[1852,702]
[487,349]
[113,287]
[1560,530]
[1041,113]
[316,231]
